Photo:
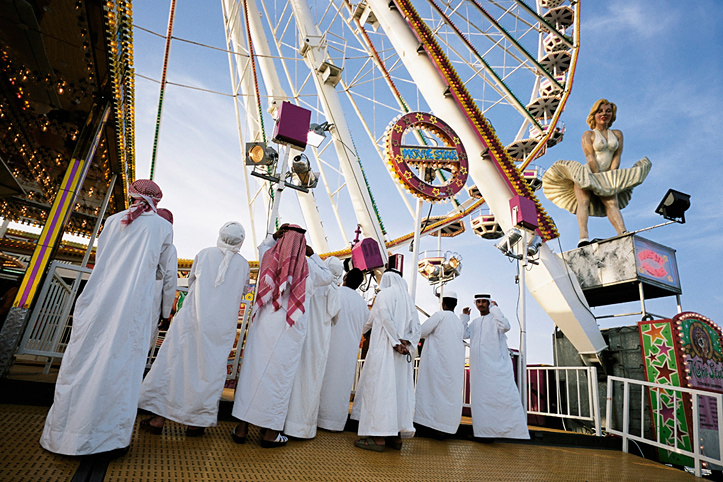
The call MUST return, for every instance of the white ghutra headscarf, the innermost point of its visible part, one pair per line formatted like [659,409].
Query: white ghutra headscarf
[230,238]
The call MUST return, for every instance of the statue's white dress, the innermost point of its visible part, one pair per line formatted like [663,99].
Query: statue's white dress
[559,181]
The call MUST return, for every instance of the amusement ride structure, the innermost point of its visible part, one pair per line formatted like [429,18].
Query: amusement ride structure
[398,86]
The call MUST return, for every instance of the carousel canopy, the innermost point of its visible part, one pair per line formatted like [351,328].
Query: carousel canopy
[59,61]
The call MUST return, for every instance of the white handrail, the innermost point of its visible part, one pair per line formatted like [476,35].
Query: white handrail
[540,396]
[677,395]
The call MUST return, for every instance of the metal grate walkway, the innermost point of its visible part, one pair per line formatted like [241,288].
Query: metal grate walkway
[328,457]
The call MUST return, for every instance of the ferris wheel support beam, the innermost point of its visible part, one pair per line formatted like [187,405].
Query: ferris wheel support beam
[276,95]
[313,50]
[238,85]
[559,297]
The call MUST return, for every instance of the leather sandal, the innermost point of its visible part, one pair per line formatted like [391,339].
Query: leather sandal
[368,443]
[280,441]
[146,425]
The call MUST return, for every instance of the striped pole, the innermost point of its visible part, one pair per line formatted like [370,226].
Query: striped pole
[63,205]
[163,86]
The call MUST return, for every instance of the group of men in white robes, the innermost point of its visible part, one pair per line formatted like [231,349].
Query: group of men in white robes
[300,357]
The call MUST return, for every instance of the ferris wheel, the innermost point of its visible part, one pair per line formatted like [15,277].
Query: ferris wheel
[514,60]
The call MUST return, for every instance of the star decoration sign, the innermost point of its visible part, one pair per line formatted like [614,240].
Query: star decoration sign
[435,171]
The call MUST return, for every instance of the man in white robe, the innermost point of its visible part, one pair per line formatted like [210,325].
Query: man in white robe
[273,347]
[322,312]
[384,402]
[341,363]
[96,393]
[497,410]
[440,380]
[186,381]
[166,286]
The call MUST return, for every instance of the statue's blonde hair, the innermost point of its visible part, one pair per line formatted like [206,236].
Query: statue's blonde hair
[595,107]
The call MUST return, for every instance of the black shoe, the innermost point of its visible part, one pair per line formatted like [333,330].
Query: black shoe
[195,431]
[237,438]
[583,242]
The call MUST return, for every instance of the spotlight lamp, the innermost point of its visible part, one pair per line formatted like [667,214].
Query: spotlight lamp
[533,245]
[263,159]
[674,205]
[259,154]
[452,265]
[508,242]
[317,133]
[301,168]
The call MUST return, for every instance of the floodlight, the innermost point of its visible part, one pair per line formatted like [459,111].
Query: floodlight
[533,246]
[452,265]
[508,241]
[302,168]
[674,205]
[317,133]
[259,154]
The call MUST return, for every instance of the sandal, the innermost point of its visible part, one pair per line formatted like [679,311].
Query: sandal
[146,425]
[368,443]
[195,431]
[279,441]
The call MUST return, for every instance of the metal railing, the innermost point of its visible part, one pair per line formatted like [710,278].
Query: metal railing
[561,392]
[656,391]
[564,392]
[48,330]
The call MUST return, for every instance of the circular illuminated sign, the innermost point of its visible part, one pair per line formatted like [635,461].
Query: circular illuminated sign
[432,172]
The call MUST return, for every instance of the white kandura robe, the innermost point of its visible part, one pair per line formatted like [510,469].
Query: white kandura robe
[166,286]
[272,353]
[186,381]
[496,406]
[96,393]
[346,334]
[306,389]
[384,401]
[440,380]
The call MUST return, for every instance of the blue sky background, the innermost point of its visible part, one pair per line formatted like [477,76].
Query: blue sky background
[658,60]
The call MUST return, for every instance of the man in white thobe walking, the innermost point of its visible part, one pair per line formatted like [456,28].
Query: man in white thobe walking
[304,400]
[96,393]
[440,381]
[346,334]
[384,402]
[187,378]
[273,349]
[497,410]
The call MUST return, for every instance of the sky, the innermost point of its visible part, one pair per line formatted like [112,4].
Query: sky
[656,59]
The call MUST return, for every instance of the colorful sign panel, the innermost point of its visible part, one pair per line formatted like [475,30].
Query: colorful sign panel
[662,367]
[656,263]
[433,173]
[683,352]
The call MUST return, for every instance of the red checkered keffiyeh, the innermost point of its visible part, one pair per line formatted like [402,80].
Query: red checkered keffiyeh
[285,266]
[146,195]
[165,214]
